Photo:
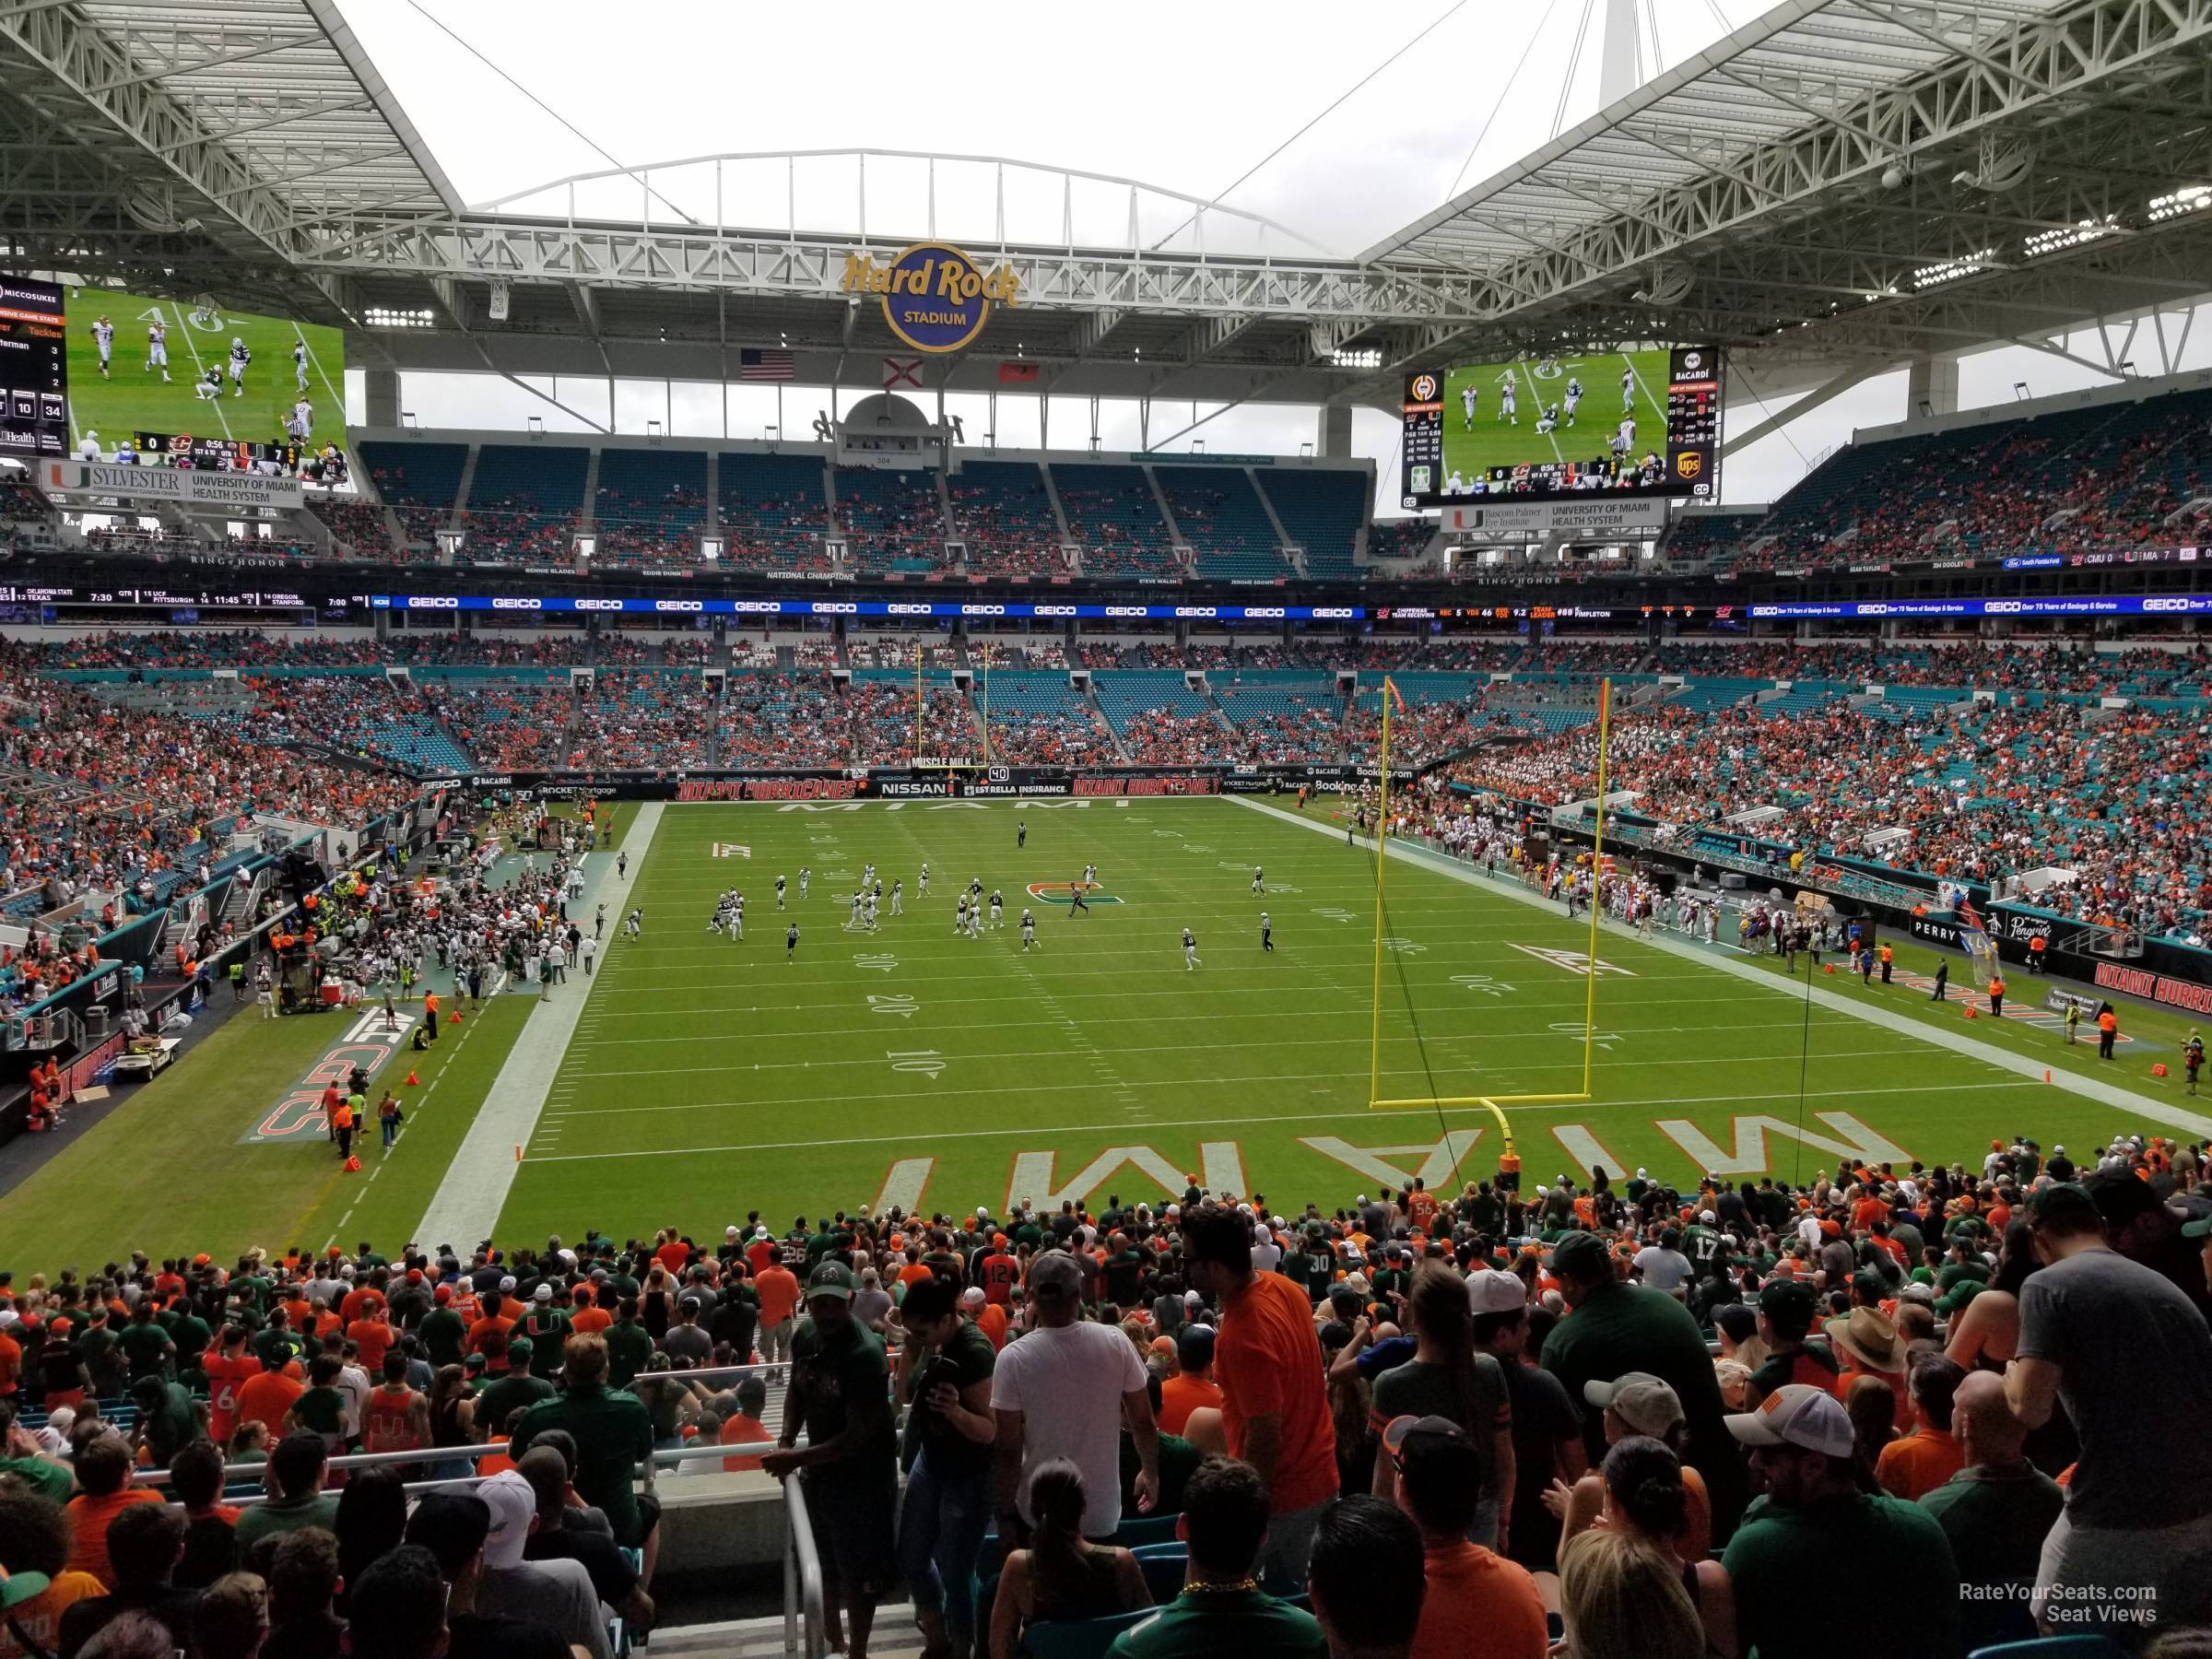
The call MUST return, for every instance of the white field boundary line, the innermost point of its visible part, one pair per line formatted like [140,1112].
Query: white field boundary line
[1044,1130]
[413,1116]
[467,1203]
[2024,1065]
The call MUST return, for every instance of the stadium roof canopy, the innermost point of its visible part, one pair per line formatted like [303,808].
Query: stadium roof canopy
[1839,186]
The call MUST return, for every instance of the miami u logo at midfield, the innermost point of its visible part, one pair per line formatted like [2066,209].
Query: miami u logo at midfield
[1062,893]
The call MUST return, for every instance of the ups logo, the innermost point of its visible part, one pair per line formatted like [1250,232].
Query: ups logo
[1689,464]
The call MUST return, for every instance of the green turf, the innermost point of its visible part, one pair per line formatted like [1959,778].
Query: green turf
[166,1171]
[708,1079]
[134,399]
[1490,441]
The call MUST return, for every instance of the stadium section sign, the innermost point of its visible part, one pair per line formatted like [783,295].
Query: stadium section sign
[935,299]
[187,487]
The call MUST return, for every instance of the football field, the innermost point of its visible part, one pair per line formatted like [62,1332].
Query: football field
[910,1065]
[1475,444]
[135,399]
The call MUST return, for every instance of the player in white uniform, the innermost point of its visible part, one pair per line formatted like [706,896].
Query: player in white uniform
[156,347]
[1507,409]
[898,897]
[299,368]
[998,909]
[853,920]
[805,876]
[103,336]
[1628,387]
[922,886]
[1190,952]
[1574,396]
[302,421]
[1028,933]
[1624,437]
[239,358]
[959,916]
[867,913]
[1456,484]
[1091,876]
[737,919]
[1467,395]
[867,876]
[1259,881]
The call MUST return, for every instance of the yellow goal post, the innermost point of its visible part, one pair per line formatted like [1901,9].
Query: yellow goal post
[1494,1104]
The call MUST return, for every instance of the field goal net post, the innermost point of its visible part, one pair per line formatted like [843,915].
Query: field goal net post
[1495,1105]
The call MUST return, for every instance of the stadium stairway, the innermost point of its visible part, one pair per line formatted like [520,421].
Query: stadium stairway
[1090,699]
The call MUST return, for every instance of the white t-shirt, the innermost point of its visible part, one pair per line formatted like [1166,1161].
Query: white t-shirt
[1663,1269]
[1067,1382]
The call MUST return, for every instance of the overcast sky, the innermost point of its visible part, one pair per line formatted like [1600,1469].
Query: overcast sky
[1185,98]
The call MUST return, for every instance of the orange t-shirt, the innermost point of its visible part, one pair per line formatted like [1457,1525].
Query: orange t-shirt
[1477,1603]
[495,1460]
[357,1303]
[673,1255]
[372,1337]
[1916,1465]
[265,1398]
[778,1289]
[992,1322]
[11,1362]
[484,1327]
[1267,1360]
[225,1376]
[590,1320]
[742,1430]
[1179,1395]
[88,1520]
[41,1617]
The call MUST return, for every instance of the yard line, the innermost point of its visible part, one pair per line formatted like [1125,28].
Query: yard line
[193,345]
[1034,1131]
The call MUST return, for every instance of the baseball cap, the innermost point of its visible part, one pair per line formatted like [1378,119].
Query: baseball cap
[973,1297]
[1796,1414]
[1789,1304]
[16,1588]
[1055,1274]
[1492,1291]
[451,1526]
[444,1293]
[507,1285]
[1582,1255]
[1432,1445]
[2065,1201]
[543,1293]
[1646,1403]
[1195,1346]
[511,1502]
[832,1279]
[2198,1229]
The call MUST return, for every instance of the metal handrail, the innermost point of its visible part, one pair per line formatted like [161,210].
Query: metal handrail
[802,1604]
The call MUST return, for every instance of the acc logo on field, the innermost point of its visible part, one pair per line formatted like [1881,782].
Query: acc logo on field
[1062,893]
[935,297]
[1690,463]
[1424,388]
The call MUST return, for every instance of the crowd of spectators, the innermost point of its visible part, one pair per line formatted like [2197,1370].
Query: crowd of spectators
[1162,736]
[355,526]
[1630,1417]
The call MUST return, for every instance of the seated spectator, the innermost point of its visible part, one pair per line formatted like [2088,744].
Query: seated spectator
[1619,1598]
[1060,1576]
[1638,1405]
[143,1544]
[403,1607]
[1996,1512]
[555,1592]
[1479,1603]
[132,1636]
[562,1533]
[1814,1515]
[1193,1385]
[743,1427]
[1223,1608]
[304,1580]
[104,1492]
[22,1456]
[232,1618]
[1367,1580]
[1912,1467]
[451,1526]
[372,1518]
[41,1588]
[295,1486]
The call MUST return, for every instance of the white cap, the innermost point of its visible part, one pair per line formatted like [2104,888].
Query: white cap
[729,1232]
[1796,1414]
[512,1502]
[1490,1290]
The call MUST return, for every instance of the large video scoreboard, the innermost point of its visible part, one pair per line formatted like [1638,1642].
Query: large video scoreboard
[1630,423]
[34,369]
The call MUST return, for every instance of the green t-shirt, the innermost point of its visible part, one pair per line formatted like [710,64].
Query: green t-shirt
[145,1349]
[614,1434]
[285,1515]
[834,1370]
[951,1452]
[1996,1521]
[275,1347]
[502,1394]
[1179,1460]
[629,1347]
[1777,1552]
[548,1329]
[191,1335]
[323,1410]
[48,1480]
[1206,1624]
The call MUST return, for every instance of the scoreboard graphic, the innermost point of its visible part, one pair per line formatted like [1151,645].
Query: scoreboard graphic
[1634,422]
[34,369]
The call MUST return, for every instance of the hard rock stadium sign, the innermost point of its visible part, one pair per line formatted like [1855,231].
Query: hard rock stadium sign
[934,298]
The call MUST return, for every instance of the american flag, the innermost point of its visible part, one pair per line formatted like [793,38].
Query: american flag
[757,365]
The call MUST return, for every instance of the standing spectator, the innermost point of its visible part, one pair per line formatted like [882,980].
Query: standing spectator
[1814,1516]
[1223,1608]
[1615,1328]
[778,1289]
[841,1397]
[1479,1603]
[563,1534]
[1367,1582]
[104,1491]
[452,1525]
[143,1544]
[1912,1467]
[1548,1431]
[401,1606]
[1275,1410]
[303,1581]
[950,1432]
[233,1620]
[294,1479]
[1446,1378]
[1996,1512]
[1063,1390]
[2095,1328]
[612,1431]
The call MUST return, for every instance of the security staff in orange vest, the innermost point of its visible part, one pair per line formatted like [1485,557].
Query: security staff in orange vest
[2036,946]
[1997,996]
[2107,1031]
[1888,957]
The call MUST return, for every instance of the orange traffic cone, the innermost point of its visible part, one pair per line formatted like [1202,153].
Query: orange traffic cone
[2046,1074]
[416,1082]
[353,1166]
[454,1017]
[1968,1009]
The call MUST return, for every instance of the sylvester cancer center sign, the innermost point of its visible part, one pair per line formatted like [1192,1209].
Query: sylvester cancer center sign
[934,298]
